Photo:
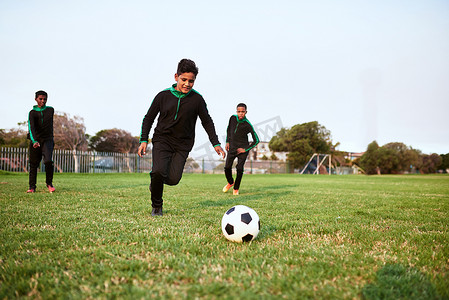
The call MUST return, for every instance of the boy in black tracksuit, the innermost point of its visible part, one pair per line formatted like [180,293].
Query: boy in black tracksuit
[238,146]
[178,108]
[40,130]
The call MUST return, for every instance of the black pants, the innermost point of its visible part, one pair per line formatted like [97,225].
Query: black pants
[241,158]
[168,165]
[45,151]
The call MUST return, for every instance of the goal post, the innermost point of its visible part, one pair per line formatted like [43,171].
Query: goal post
[316,162]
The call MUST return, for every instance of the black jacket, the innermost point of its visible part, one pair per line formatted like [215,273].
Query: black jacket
[178,113]
[237,134]
[40,124]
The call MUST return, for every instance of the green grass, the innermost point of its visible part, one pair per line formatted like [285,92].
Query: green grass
[322,237]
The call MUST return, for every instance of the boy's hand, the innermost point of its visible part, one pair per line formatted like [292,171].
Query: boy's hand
[36,145]
[227,147]
[142,149]
[220,151]
[240,150]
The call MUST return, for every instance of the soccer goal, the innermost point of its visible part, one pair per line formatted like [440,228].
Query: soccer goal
[316,162]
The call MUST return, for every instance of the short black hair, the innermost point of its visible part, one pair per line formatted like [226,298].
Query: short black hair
[241,105]
[187,66]
[41,93]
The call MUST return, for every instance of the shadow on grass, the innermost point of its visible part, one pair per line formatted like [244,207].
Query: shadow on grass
[395,281]
[265,231]
[248,196]
[269,188]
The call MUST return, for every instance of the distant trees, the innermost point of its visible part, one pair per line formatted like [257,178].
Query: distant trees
[15,137]
[444,162]
[397,158]
[301,141]
[430,163]
[370,159]
[114,140]
[69,132]
[191,164]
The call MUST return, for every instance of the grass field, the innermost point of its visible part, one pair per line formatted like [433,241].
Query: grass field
[322,237]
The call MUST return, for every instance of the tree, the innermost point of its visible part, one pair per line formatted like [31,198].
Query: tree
[301,141]
[114,140]
[191,164]
[14,137]
[406,157]
[69,132]
[430,163]
[444,162]
[387,161]
[397,158]
[369,160]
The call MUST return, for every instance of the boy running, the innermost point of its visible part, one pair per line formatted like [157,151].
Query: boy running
[40,127]
[238,146]
[178,108]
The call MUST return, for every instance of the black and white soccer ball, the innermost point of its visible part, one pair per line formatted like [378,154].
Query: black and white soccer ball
[240,224]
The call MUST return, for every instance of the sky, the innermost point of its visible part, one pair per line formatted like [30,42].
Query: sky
[365,70]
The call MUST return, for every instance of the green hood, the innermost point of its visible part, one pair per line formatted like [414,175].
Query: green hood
[242,120]
[179,94]
[37,108]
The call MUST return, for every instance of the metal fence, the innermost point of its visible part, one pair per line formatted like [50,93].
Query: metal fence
[66,161]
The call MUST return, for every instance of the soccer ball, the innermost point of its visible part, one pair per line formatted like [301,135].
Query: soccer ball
[240,224]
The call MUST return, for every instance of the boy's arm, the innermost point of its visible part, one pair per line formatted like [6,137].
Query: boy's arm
[255,138]
[229,130]
[147,123]
[148,120]
[32,127]
[208,124]
[228,134]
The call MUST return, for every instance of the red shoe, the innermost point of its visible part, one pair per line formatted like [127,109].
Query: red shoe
[227,187]
[235,192]
[31,190]
[50,187]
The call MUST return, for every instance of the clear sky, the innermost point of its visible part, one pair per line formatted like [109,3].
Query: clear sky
[366,70]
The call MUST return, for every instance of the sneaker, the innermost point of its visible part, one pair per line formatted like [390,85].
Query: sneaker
[31,190]
[157,211]
[227,187]
[50,187]
[235,192]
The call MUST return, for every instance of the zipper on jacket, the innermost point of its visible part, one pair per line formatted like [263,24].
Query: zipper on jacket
[177,109]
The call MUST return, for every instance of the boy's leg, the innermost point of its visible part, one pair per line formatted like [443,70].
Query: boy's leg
[176,167]
[228,167]
[238,179]
[47,153]
[241,158]
[162,155]
[35,158]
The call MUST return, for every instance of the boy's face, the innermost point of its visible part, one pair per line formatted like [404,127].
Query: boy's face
[185,82]
[41,101]
[241,112]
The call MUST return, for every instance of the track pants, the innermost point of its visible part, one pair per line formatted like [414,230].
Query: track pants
[168,165]
[241,158]
[45,151]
